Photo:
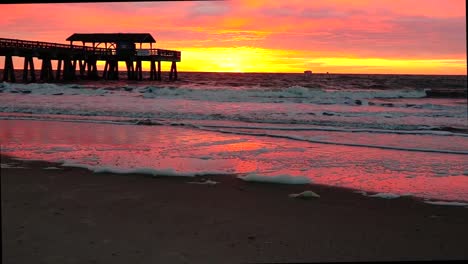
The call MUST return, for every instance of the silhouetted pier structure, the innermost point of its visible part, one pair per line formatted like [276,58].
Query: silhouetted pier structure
[73,60]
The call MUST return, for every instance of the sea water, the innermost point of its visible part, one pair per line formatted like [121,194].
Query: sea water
[375,133]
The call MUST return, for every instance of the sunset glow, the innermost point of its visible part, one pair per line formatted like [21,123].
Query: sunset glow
[336,36]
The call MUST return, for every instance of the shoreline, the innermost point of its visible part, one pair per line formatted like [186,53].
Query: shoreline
[233,178]
[72,215]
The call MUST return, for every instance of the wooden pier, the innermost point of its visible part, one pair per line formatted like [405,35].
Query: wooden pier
[75,61]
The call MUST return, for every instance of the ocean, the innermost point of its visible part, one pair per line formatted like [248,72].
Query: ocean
[382,135]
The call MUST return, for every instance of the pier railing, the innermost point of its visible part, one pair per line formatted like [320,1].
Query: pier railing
[26,44]
[158,52]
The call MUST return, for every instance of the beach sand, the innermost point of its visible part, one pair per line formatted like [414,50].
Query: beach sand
[71,215]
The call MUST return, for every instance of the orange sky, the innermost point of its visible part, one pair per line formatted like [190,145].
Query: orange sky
[336,36]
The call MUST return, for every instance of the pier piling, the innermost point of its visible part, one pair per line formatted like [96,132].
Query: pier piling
[59,69]
[173,72]
[138,71]
[28,67]
[9,70]
[82,65]
[47,73]
[130,70]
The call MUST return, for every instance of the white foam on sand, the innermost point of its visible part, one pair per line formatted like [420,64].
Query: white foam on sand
[149,171]
[10,166]
[361,192]
[207,182]
[283,179]
[446,203]
[305,195]
[385,195]
[52,168]
[142,170]
[66,163]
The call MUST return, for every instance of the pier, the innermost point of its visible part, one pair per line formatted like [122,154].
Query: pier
[75,61]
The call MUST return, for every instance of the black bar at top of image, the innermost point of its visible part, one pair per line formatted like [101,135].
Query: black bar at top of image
[101,1]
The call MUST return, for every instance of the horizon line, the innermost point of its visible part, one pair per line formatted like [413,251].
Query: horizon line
[313,73]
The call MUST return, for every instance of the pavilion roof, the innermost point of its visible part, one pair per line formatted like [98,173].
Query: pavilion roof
[113,37]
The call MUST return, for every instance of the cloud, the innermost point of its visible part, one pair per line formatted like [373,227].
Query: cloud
[403,36]
[316,12]
[209,9]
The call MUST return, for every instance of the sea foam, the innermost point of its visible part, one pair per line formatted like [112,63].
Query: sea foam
[385,195]
[446,203]
[283,179]
[141,170]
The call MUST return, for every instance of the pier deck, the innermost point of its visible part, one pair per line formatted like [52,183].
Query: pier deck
[70,57]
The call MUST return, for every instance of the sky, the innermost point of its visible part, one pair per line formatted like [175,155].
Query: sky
[336,36]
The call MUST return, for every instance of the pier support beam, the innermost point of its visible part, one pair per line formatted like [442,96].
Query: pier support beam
[68,70]
[114,70]
[59,69]
[65,70]
[9,70]
[173,72]
[29,67]
[82,65]
[46,70]
[159,71]
[111,70]
[92,69]
[115,75]
[153,74]
[106,71]
[138,71]
[130,70]
[73,69]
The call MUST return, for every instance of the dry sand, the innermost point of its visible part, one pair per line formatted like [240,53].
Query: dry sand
[72,215]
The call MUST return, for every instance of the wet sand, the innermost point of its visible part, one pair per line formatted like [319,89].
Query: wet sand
[71,215]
